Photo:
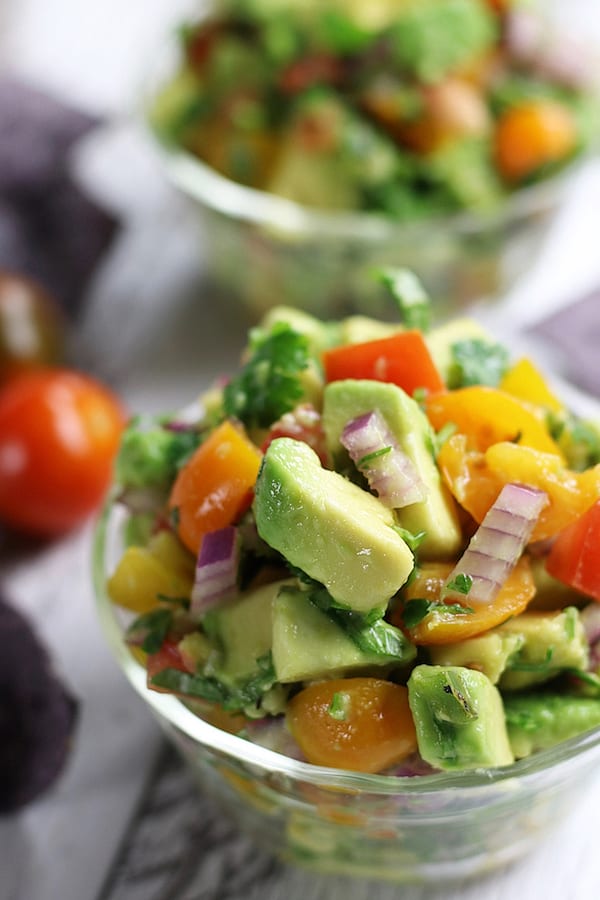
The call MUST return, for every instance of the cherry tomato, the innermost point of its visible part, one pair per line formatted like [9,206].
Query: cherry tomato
[362,724]
[533,135]
[32,328]
[59,434]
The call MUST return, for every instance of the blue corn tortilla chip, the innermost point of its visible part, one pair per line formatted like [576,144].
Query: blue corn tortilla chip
[37,714]
[50,230]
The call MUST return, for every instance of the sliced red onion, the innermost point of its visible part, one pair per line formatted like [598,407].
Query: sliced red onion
[496,546]
[590,619]
[389,471]
[216,570]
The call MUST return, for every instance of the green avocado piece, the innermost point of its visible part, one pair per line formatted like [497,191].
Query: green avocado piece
[243,630]
[338,534]
[459,718]
[358,329]
[309,644]
[436,514]
[488,653]
[536,721]
[550,642]
[550,593]
[312,179]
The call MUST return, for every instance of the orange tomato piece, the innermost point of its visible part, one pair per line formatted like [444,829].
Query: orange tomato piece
[488,415]
[440,627]
[570,493]
[362,724]
[214,487]
[468,476]
[533,135]
[475,479]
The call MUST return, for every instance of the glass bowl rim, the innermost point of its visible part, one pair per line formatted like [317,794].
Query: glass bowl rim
[200,182]
[201,732]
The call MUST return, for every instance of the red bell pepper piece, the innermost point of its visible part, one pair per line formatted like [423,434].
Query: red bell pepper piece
[575,555]
[401,359]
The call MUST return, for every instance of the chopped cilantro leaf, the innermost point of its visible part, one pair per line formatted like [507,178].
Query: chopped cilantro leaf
[411,539]
[409,294]
[589,680]
[371,633]
[368,457]
[339,706]
[239,697]
[269,384]
[151,629]
[475,361]
[415,610]
[461,583]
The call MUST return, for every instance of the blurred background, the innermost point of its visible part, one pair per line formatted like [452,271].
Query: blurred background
[86,209]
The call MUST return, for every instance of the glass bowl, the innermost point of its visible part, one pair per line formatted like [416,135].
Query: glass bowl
[260,247]
[435,828]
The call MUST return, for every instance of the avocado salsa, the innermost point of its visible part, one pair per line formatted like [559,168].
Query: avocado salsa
[407,108]
[374,547]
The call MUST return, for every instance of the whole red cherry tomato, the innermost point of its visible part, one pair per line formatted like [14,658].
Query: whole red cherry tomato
[59,434]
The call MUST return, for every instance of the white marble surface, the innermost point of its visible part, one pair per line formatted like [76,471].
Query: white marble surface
[159,337]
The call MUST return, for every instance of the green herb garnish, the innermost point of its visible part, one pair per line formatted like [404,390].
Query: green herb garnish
[369,457]
[476,361]
[269,384]
[153,628]
[412,299]
[339,706]
[460,584]
[240,697]
[416,610]
[412,539]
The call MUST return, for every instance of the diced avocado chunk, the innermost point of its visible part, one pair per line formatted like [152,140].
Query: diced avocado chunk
[550,642]
[488,653]
[312,179]
[310,644]
[459,718]
[436,514]
[536,721]
[550,593]
[338,534]
[244,630]
[358,329]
